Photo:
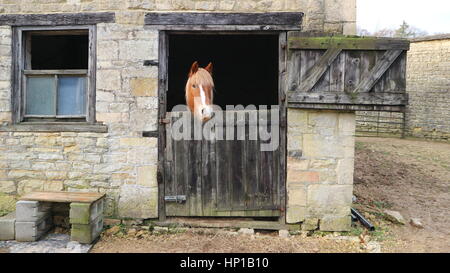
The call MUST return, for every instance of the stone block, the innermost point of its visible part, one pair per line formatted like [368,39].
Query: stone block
[283,233]
[297,164]
[138,202]
[296,195]
[328,196]
[310,224]
[32,231]
[7,227]
[147,176]
[344,171]
[109,80]
[297,118]
[294,176]
[295,214]
[32,211]
[322,146]
[330,223]
[144,87]
[85,213]
[87,233]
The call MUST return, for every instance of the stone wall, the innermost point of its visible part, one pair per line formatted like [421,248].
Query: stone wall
[337,16]
[320,168]
[377,123]
[122,163]
[428,86]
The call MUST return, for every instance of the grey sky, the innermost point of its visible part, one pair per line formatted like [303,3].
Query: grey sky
[432,16]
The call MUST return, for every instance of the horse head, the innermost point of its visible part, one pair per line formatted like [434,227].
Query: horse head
[199,91]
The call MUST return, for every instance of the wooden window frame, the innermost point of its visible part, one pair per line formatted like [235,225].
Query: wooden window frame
[20,71]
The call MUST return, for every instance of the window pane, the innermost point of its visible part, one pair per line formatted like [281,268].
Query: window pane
[71,96]
[40,96]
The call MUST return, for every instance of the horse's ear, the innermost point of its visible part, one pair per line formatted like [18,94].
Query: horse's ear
[209,68]
[194,69]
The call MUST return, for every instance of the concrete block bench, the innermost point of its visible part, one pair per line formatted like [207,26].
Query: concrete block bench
[34,218]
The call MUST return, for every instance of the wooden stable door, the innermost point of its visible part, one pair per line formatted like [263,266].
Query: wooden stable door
[221,177]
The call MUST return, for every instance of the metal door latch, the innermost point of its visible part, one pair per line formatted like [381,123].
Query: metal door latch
[175,198]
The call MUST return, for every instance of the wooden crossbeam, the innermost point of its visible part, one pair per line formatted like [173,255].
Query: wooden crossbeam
[57,19]
[372,98]
[319,69]
[216,18]
[368,81]
[347,43]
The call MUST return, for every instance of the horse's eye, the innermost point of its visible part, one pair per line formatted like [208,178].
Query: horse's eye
[194,86]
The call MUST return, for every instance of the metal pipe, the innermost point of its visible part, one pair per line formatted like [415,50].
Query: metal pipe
[363,220]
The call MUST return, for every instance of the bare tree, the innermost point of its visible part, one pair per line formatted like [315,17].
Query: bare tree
[403,31]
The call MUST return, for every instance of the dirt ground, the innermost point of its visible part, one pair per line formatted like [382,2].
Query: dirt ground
[409,176]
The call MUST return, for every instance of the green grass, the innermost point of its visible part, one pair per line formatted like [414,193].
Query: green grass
[380,234]
[360,145]
[354,231]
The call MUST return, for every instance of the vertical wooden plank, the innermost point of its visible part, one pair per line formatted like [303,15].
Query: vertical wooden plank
[17,91]
[265,166]
[182,172]
[194,171]
[337,73]
[92,74]
[162,89]
[358,65]
[252,176]
[199,177]
[175,183]
[208,174]
[352,70]
[294,69]
[238,166]
[283,125]
[169,165]
[223,179]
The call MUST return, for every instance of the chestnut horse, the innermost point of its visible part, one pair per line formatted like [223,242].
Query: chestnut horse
[199,91]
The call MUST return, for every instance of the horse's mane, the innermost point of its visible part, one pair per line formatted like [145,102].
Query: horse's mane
[201,77]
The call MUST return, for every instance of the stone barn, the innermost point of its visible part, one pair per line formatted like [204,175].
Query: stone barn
[87,89]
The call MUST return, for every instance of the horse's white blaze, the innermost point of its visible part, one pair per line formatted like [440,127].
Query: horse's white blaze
[203,96]
[207,108]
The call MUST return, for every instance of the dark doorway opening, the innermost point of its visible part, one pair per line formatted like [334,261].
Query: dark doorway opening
[245,67]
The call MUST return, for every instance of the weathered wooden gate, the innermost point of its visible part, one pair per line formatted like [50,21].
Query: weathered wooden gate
[222,177]
[346,73]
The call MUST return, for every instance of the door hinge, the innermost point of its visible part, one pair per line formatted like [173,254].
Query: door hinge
[175,198]
[164,121]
